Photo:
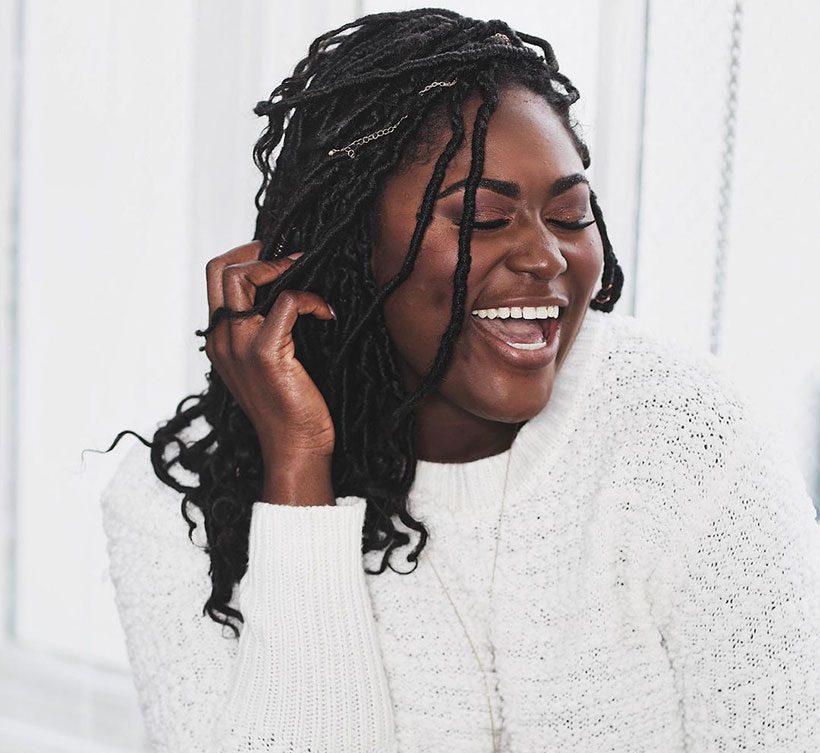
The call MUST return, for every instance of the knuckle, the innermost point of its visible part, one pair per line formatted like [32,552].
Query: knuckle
[260,353]
[230,271]
[219,353]
[287,297]
[245,250]
[233,350]
[256,350]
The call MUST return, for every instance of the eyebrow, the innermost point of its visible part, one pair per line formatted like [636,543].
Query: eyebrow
[513,190]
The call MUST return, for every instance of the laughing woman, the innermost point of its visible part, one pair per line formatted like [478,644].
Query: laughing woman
[438,494]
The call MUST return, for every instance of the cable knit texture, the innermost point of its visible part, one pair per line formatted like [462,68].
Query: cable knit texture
[657,588]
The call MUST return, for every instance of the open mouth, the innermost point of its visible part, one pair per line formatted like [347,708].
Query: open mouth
[523,334]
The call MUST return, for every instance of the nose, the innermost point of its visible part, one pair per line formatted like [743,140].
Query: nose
[539,254]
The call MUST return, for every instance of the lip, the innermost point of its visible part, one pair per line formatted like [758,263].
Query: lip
[522,359]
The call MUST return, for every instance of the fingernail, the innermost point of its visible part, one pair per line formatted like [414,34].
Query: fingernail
[296,255]
[332,310]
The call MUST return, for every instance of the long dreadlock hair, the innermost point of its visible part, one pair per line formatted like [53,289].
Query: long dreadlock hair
[356,79]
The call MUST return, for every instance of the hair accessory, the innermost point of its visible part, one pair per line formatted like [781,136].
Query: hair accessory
[604,290]
[349,149]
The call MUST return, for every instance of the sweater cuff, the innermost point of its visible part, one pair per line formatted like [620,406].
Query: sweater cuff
[309,674]
[296,551]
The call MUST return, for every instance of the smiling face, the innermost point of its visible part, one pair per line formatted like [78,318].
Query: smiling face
[525,251]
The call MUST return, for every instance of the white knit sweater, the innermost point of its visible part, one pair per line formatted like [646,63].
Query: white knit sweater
[657,588]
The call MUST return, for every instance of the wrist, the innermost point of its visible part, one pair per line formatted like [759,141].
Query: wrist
[302,481]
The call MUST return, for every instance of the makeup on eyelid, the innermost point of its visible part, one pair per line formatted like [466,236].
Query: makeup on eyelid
[484,219]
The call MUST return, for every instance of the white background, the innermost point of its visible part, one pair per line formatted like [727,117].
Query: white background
[125,164]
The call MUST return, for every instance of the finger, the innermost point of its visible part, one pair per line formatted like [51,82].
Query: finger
[240,281]
[213,271]
[217,345]
[275,334]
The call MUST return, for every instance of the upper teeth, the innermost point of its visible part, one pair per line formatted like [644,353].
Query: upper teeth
[518,312]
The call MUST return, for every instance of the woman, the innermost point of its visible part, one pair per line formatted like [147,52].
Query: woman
[618,557]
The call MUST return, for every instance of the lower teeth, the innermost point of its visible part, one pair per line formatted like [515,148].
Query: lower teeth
[529,346]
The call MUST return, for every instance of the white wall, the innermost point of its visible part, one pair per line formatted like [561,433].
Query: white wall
[768,302]
[8,158]
[104,270]
[687,65]
[772,305]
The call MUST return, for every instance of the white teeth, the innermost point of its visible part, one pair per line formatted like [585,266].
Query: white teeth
[529,346]
[518,312]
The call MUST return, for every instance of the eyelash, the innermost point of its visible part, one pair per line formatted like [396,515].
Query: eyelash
[496,224]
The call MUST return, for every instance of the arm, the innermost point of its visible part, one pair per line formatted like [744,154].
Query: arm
[306,673]
[309,675]
[739,605]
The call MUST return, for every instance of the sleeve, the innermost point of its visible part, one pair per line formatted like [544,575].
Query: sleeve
[306,673]
[741,613]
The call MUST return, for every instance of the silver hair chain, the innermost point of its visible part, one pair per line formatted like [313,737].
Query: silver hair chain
[349,149]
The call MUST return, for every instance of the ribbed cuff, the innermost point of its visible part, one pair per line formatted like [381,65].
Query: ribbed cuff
[299,549]
[310,674]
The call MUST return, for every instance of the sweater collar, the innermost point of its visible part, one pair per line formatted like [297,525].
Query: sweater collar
[479,483]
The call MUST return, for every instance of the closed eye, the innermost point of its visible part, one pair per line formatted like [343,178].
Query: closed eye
[495,224]
[488,225]
[572,225]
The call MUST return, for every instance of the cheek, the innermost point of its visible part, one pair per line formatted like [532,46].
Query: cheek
[418,311]
[586,262]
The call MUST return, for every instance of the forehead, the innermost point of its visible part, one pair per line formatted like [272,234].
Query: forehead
[526,142]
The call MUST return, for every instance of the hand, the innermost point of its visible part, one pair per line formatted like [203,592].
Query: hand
[255,357]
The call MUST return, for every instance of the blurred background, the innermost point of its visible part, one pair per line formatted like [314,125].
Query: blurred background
[125,164]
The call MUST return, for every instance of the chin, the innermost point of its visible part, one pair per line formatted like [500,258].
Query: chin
[518,406]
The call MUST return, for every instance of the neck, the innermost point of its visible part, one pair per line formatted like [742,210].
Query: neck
[448,434]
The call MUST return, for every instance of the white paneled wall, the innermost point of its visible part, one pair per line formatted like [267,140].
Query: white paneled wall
[687,64]
[104,268]
[773,276]
[769,303]
[9,27]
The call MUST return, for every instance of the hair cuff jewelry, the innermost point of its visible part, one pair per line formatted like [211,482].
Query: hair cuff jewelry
[349,150]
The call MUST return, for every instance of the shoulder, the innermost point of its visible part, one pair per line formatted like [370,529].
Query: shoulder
[638,353]
[675,409]
[684,428]
[136,500]
[657,377]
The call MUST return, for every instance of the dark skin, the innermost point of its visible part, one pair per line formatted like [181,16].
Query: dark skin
[482,401]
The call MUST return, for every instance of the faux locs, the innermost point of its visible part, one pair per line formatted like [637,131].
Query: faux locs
[357,79]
